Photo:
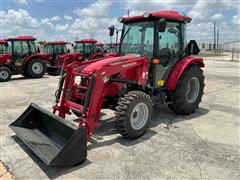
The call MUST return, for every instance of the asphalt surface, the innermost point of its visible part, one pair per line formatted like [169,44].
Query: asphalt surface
[198,146]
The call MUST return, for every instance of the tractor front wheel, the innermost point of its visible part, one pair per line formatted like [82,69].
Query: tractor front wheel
[133,114]
[5,74]
[36,68]
[189,91]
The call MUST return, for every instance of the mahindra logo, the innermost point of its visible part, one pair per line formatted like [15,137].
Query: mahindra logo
[129,64]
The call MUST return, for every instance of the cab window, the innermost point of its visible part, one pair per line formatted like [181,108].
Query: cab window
[169,42]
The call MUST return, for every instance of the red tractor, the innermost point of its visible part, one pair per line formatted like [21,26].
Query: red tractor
[59,51]
[88,49]
[22,58]
[154,66]
[100,47]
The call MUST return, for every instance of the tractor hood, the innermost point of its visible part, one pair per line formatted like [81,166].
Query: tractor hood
[90,68]
[5,58]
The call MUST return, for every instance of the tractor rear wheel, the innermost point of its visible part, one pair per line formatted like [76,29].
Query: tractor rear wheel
[36,68]
[189,91]
[5,74]
[133,114]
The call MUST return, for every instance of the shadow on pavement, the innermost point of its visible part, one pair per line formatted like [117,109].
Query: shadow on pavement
[22,78]
[51,172]
[161,115]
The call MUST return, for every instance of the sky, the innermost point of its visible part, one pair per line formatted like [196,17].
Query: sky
[70,20]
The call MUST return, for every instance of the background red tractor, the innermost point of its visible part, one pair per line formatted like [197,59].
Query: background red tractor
[22,58]
[59,52]
[154,66]
[88,49]
[100,47]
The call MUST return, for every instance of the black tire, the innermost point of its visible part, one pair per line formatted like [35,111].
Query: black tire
[54,71]
[124,113]
[181,103]
[35,73]
[5,74]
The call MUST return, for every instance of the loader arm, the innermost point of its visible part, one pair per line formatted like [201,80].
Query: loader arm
[99,84]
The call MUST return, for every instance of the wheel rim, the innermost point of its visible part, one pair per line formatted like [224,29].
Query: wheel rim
[139,116]
[193,88]
[37,68]
[4,74]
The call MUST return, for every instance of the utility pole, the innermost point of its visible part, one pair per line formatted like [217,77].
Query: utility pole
[214,34]
[217,39]
[128,12]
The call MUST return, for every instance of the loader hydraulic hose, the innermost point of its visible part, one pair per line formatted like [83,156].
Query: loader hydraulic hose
[89,92]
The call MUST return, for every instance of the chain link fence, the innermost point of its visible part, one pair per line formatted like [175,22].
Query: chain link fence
[223,52]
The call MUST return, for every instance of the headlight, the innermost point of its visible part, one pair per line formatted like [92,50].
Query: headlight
[146,15]
[120,19]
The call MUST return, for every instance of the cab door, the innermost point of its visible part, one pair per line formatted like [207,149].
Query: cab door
[168,51]
[20,51]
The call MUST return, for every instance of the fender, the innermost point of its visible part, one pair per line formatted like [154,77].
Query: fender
[178,69]
[41,56]
[93,56]
[5,59]
[112,54]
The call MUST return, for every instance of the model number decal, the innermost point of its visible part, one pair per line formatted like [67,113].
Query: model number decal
[129,64]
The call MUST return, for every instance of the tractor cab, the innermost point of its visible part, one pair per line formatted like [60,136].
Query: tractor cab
[114,47]
[100,47]
[3,47]
[160,36]
[20,47]
[86,47]
[55,48]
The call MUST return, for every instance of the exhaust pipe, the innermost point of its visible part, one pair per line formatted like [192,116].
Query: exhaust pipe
[55,141]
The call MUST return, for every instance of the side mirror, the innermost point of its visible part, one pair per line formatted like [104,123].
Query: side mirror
[111,30]
[162,25]
[68,50]
[38,50]
[192,48]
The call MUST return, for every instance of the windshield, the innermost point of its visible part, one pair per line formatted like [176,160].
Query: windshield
[78,47]
[138,38]
[48,49]
[32,47]
[3,48]
[55,49]
[87,48]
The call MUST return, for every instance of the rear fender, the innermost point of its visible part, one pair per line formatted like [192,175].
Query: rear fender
[95,55]
[179,67]
[40,56]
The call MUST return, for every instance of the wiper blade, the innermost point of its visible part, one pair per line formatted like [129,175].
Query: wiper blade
[127,31]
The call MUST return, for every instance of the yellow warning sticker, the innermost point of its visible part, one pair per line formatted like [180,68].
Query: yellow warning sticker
[160,82]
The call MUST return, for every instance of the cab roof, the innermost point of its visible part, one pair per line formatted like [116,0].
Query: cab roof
[172,15]
[99,44]
[87,41]
[2,41]
[57,42]
[22,38]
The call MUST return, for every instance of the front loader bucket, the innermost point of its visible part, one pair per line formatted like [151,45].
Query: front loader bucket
[51,138]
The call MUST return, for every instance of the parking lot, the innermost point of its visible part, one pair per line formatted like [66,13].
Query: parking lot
[201,145]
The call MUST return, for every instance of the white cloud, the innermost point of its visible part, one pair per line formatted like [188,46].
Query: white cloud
[24,2]
[55,18]
[62,28]
[98,9]
[218,16]
[66,17]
